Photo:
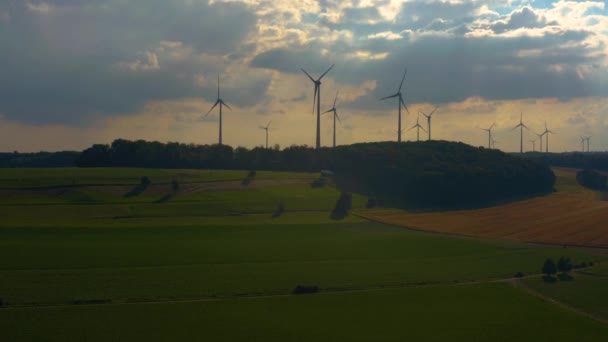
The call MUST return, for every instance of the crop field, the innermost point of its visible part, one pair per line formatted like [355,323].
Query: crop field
[572,215]
[213,261]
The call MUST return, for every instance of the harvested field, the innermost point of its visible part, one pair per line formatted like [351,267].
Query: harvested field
[572,215]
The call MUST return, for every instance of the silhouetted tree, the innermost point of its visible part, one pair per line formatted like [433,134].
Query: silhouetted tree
[564,265]
[549,267]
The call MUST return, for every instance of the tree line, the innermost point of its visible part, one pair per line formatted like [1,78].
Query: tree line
[429,173]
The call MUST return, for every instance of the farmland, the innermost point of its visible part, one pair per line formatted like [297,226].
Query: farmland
[572,215]
[210,261]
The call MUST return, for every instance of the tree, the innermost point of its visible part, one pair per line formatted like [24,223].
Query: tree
[549,267]
[564,265]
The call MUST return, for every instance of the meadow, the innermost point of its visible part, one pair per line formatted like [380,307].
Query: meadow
[213,263]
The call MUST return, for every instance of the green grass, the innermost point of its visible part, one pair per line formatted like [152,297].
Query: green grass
[93,244]
[490,312]
[37,265]
[588,293]
[30,177]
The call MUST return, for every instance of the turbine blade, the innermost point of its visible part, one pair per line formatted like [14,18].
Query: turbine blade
[403,103]
[422,128]
[224,103]
[314,98]
[214,105]
[388,97]
[268,124]
[218,86]
[312,79]
[433,110]
[402,79]
[337,117]
[492,125]
[326,72]
[327,111]
[336,99]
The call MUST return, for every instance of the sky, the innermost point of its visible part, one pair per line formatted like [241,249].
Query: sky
[80,72]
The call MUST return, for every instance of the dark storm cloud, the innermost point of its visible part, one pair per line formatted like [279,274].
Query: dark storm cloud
[69,60]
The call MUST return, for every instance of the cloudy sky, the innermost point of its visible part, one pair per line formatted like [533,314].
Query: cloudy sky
[78,72]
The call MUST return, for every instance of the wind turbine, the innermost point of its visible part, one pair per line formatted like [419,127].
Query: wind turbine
[521,132]
[547,131]
[266,129]
[335,111]
[533,145]
[428,119]
[583,142]
[401,102]
[489,130]
[221,103]
[317,98]
[540,140]
[417,125]
[588,139]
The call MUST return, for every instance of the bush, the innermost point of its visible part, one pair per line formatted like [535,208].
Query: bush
[318,183]
[145,181]
[304,289]
[519,275]
[371,202]
[279,210]
[251,174]
[564,265]
[591,179]
[549,267]
[343,206]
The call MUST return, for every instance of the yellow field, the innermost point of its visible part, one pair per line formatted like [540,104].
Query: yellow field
[572,215]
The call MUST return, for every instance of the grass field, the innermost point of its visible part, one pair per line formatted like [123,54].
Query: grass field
[490,312]
[572,215]
[583,292]
[211,263]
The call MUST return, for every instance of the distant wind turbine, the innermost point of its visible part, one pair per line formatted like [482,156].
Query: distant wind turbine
[417,125]
[540,140]
[221,103]
[266,129]
[335,112]
[317,98]
[489,130]
[521,132]
[547,132]
[583,139]
[401,103]
[588,139]
[428,120]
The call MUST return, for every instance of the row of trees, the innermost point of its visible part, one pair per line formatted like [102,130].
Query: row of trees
[39,159]
[578,160]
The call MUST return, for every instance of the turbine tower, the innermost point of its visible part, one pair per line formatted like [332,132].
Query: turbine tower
[335,112]
[428,120]
[583,139]
[266,129]
[588,139]
[317,98]
[547,132]
[540,140]
[521,132]
[533,145]
[401,103]
[494,143]
[417,125]
[221,103]
[489,130]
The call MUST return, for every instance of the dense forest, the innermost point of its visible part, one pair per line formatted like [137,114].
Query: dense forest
[430,173]
[578,160]
[437,173]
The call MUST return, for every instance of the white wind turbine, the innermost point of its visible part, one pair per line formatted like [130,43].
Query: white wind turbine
[401,103]
[317,98]
[266,129]
[335,115]
[221,103]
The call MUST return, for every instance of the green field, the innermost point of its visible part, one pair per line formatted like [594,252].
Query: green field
[490,312]
[215,265]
